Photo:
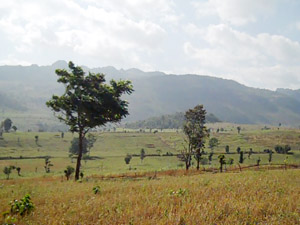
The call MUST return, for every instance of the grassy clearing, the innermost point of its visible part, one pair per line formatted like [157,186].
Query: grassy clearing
[264,197]
[111,149]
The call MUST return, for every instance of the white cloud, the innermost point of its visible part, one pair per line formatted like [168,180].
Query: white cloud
[236,12]
[262,60]
[87,30]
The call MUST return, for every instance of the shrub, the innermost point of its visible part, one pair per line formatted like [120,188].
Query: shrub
[21,207]
[68,172]
[96,190]
[127,159]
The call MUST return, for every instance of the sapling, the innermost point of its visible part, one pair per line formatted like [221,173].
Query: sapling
[7,171]
[241,157]
[142,155]
[18,170]
[221,161]
[270,156]
[48,164]
[127,159]
[69,171]
[258,161]
[227,149]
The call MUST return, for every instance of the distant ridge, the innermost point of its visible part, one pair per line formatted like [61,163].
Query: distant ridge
[157,94]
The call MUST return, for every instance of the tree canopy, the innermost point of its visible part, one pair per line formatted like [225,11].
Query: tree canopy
[88,102]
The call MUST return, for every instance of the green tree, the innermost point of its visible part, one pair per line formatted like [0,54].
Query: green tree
[88,102]
[7,171]
[239,129]
[7,123]
[213,142]
[241,160]
[127,159]
[74,148]
[227,149]
[196,134]
[69,171]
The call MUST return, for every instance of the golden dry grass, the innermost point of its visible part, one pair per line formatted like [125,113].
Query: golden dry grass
[249,197]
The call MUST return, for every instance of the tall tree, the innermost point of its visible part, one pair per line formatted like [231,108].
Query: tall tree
[88,102]
[196,133]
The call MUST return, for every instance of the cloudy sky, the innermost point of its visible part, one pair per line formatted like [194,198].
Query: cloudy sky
[255,42]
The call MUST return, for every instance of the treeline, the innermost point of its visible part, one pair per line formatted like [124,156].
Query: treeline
[172,121]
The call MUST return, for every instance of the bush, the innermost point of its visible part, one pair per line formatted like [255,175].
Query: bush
[282,149]
[21,207]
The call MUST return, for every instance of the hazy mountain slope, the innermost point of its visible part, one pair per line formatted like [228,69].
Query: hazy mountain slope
[155,94]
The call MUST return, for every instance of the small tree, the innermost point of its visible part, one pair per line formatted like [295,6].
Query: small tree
[48,164]
[213,142]
[69,171]
[74,148]
[227,149]
[7,123]
[142,155]
[238,150]
[88,102]
[7,171]
[270,156]
[127,159]
[14,128]
[230,161]
[91,139]
[222,161]
[36,139]
[241,160]
[19,171]
[258,161]
[239,129]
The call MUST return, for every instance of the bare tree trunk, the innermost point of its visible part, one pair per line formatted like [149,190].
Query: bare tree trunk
[79,155]
[198,163]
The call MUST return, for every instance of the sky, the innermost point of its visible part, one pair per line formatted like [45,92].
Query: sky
[255,42]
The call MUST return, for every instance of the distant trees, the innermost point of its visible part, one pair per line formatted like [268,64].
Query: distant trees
[88,102]
[196,133]
[282,149]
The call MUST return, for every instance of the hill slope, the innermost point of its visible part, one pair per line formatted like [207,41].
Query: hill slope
[155,94]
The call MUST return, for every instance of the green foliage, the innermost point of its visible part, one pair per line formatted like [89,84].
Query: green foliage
[238,150]
[21,207]
[69,171]
[96,190]
[222,161]
[213,142]
[227,149]
[88,102]
[196,133]
[127,159]
[7,123]
[171,121]
[230,161]
[48,164]
[7,171]
[270,156]
[282,149]
[239,129]
[179,193]
[74,148]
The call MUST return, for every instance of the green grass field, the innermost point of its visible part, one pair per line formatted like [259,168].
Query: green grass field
[111,148]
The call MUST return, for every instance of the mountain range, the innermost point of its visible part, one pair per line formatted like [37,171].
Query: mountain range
[25,89]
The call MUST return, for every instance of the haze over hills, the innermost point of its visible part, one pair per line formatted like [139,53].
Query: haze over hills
[25,89]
